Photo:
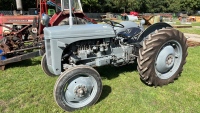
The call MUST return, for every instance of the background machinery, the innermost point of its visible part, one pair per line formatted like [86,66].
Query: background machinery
[21,36]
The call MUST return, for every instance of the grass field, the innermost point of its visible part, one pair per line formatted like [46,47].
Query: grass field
[192,30]
[26,89]
[192,23]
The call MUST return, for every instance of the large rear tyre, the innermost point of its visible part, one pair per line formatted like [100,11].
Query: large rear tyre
[45,67]
[76,20]
[77,87]
[162,57]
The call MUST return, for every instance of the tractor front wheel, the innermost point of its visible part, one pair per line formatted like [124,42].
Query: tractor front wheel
[162,57]
[45,67]
[77,87]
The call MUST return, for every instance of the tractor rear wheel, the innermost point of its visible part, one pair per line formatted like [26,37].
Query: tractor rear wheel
[77,87]
[76,20]
[45,67]
[162,57]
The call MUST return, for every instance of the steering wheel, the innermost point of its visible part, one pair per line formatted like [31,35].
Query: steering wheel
[114,24]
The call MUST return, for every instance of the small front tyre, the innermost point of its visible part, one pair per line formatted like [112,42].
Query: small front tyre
[77,87]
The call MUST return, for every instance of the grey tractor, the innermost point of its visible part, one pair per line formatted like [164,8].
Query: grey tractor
[73,50]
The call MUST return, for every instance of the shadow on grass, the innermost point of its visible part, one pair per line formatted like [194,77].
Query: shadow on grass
[110,72]
[105,92]
[24,63]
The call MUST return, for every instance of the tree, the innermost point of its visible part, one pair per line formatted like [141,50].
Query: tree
[119,6]
[7,4]
[127,5]
[173,6]
[190,5]
[154,6]
[90,5]
[11,4]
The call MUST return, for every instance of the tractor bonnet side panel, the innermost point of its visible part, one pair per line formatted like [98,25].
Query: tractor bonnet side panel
[59,37]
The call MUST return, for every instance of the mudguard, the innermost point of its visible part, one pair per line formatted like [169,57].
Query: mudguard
[151,29]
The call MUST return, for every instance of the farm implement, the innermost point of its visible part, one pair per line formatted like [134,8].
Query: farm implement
[21,36]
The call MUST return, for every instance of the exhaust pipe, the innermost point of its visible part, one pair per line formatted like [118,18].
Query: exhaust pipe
[19,5]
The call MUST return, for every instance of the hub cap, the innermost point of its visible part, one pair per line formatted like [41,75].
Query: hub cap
[80,90]
[168,59]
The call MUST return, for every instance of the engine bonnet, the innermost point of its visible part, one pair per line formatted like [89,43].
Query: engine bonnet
[85,31]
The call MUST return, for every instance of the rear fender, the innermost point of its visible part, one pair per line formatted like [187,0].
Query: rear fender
[151,29]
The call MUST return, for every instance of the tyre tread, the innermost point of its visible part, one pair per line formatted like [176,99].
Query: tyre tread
[145,60]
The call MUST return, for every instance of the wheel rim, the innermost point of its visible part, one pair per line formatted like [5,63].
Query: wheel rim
[79,91]
[168,59]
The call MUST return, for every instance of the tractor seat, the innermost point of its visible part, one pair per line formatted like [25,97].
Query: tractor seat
[130,32]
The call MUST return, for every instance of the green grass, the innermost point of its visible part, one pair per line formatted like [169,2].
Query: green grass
[195,23]
[192,23]
[24,88]
[192,30]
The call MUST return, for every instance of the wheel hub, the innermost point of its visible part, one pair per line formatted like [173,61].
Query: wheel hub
[80,91]
[165,59]
[170,60]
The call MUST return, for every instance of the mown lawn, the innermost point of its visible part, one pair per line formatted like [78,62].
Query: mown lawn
[192,30]
[192,23]
[24,88]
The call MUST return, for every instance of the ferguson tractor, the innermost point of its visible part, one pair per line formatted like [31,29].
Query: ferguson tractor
[73,50]
[21,36]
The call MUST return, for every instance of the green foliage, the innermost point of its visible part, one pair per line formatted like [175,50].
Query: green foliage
[11,4]
[145,6]
[190,5]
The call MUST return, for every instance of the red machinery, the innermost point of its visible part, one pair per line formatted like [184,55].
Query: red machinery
[1,28]
[134,13]
[21,34]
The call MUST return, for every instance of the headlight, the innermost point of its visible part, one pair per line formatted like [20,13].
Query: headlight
[45,19]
